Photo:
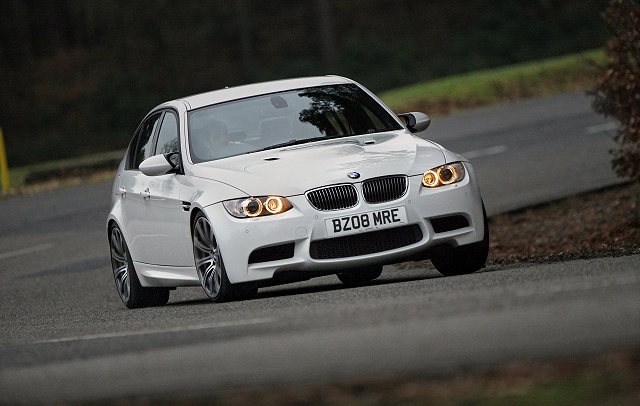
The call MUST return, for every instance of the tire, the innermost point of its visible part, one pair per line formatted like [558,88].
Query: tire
[209,265]
[452,261]
[128,286]
[360,276]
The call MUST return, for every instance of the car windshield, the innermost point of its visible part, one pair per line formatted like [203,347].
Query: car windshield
[287,118]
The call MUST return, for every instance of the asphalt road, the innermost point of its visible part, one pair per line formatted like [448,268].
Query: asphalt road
[64,335]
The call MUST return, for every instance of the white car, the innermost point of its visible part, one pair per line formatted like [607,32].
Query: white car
[275,182]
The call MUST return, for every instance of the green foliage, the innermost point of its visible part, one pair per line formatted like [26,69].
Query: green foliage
[490,86]
[618,90]
[398,62]
[507,32]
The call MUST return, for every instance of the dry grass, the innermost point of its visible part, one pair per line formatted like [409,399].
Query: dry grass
[596,224]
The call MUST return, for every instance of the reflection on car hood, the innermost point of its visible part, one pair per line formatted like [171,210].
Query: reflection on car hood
[294,170]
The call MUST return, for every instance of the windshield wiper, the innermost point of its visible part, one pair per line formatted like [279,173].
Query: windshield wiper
[298,142]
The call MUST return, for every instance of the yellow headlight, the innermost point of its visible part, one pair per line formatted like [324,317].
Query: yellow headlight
[430,179]
[252,207]
[444,175]
[274,204]
[447,174]
[257,206]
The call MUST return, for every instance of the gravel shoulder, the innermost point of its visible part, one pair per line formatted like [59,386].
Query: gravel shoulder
[596,224]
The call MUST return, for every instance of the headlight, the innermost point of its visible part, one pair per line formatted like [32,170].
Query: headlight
[443,175]
[257,206]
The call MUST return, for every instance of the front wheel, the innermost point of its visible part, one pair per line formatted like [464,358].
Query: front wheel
[131,292]
[466,259]
[209,264]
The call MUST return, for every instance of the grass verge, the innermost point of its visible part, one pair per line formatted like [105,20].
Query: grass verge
[537,78]
[53,174]
[610,379]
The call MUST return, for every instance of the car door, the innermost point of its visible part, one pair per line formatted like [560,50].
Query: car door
[132,182]
[165,240]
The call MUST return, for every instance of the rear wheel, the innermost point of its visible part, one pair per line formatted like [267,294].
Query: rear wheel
[360,276]
[451,261]
[210,266]
[131,292]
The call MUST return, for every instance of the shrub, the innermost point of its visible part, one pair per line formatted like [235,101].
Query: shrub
[617,92]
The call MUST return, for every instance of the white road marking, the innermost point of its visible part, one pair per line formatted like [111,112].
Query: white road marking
[25,251]
[498,149]
[158,331]
[600,128]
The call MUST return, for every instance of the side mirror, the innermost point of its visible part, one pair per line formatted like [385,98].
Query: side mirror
[160,164]
[415,121]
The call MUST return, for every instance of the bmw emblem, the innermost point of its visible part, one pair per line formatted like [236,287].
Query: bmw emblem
[353,175]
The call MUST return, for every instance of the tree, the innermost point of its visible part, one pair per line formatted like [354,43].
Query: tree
[618,87]
[325,25]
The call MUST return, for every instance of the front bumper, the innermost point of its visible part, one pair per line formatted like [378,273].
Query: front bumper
[298,240]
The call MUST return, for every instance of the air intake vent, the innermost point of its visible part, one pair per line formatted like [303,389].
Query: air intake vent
[449,223]
[380,190]
[365,243]
[333,198]
[272,253]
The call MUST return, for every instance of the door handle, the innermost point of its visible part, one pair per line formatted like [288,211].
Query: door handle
[122,192]
[145,194]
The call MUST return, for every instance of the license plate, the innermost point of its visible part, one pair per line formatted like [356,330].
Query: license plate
[369,221]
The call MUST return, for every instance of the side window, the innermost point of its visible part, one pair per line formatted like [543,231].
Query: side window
[168,136]
[142,145]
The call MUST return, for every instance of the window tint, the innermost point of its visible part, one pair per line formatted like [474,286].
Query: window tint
[168,136]
[142,145]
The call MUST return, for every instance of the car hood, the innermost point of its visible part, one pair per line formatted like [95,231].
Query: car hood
[296,169]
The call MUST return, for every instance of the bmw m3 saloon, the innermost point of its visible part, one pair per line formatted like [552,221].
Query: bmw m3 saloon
[269,183]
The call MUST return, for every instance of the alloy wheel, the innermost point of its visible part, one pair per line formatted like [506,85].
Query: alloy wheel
[120,264]
[207,258]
